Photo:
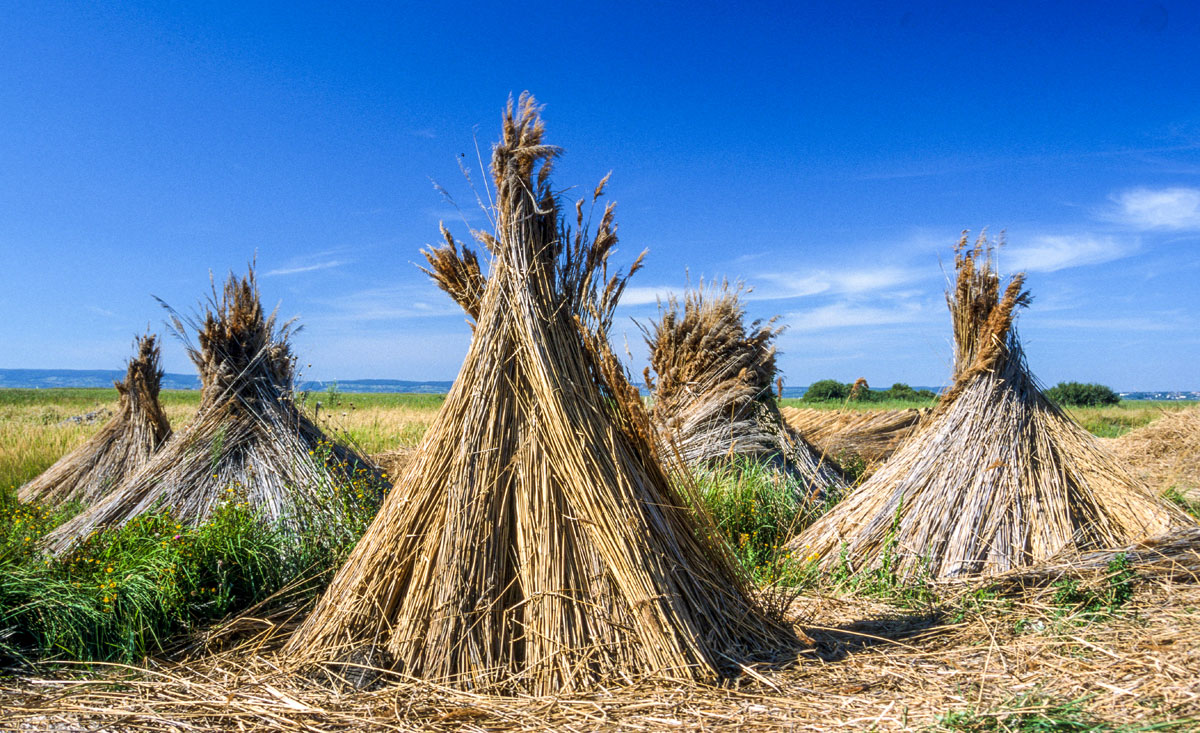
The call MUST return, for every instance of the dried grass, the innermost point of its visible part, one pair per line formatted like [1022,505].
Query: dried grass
[872,435]
[248,441]
[1165,453]
[988,656]
[712,384]
[534,543]
[137,429]
[1000,478]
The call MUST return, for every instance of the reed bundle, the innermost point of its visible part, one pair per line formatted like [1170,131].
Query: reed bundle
[136,430]
[1000,478]
[247,443]
[712,384]
[1165,453]
[534,543]
[873,435]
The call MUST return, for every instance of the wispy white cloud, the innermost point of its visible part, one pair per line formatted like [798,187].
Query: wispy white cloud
[1159,321]
[296,270]
[1162,208]
[852,315]
[647,294]
[390,304]
[854,280]
[1051,253]
[786,285]
[100,311]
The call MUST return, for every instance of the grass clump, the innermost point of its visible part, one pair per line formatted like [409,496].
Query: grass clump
[1034,713]
[756,510]
[1097,602]
[125,592]
[1189,505]
[1027,715]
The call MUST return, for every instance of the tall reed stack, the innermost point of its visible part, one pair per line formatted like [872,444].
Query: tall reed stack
[248,442]
[712,384]
[534,543]
[136,430]
[1000,477]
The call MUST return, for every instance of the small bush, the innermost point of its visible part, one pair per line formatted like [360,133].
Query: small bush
[1076,394]
[826,390]
[831,390]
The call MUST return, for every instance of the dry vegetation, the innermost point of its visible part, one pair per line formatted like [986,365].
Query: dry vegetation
[996,477]
[1166,453]
[124,443]
[247,443]
[1057,656]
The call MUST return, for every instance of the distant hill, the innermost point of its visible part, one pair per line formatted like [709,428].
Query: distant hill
[52,378]
[378,385]
[102,378]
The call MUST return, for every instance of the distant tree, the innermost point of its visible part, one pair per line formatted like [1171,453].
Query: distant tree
[1082,395]
[901,391]
[826,390]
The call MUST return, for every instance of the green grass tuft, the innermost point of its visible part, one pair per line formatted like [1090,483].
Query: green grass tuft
[125,593]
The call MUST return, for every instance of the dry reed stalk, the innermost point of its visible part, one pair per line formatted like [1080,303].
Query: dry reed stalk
[136,430]
[712,386]
[248,441]
[882,668]
[873,435]
[1165,453]
[534,543]
[999,478]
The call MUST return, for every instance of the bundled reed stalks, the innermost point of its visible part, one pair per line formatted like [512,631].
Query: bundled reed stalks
[712,384]
[248,442]
[1000,478]
[534,543]
[1165,453]
[136,430]
[872,435]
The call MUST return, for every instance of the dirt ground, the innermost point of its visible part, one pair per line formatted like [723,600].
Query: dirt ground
[1021,656]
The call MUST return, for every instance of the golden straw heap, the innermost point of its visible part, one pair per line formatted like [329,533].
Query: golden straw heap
[712,379]
[248,442]
[998,477]
[136,430]
[534,543]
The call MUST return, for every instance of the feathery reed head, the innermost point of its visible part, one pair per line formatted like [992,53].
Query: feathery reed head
[239,343]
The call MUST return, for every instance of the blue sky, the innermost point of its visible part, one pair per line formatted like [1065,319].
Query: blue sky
[828,156]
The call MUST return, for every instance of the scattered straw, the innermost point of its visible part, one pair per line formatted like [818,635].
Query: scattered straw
[990,653]
[1165,453]
[872,435]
